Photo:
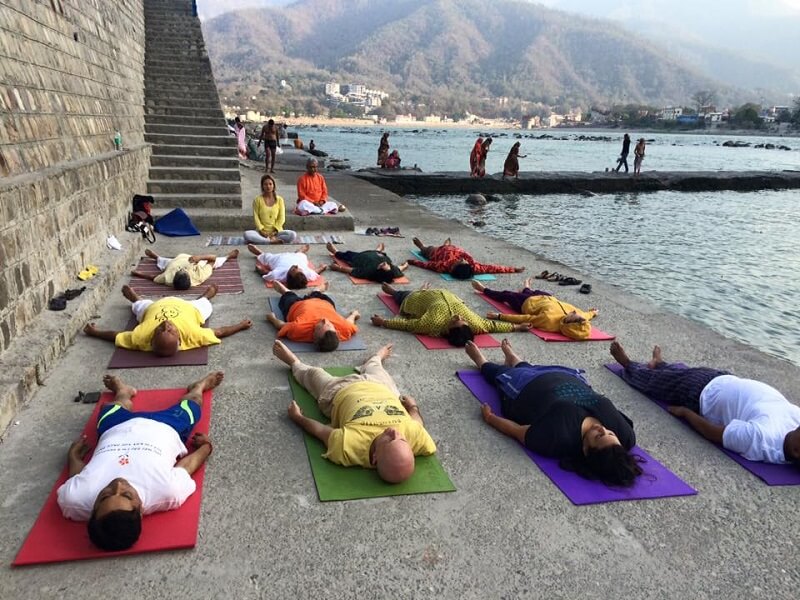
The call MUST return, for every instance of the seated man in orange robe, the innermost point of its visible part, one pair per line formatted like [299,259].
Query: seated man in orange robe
[312,193]
[312,318]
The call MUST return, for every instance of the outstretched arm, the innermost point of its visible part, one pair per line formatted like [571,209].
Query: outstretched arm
[437,266]
[703,426]
[353,317]
[194,460]
[310,426]
[275,321]
[503,425]
[143,275]
[206,257]
[341,268]
[228,330]
[480,268]
[102,334]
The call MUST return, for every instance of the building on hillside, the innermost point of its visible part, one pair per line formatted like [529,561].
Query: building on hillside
[432,119]
[554,120]
[254,116]
[332,89]
[405,119]
[529,122]
[669,113]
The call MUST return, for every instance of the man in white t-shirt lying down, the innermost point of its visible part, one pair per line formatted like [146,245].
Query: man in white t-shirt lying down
[290,268]
[133,470]
[744,415]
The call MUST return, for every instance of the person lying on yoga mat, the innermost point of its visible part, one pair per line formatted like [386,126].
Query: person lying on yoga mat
[439,313]
[374,265]
[168,324]
[312,318]
[553,411]
[372,425]
[133,470]
[185,270]
[542,310]
[291,268]
[745,416]
[312,193]
[456,261]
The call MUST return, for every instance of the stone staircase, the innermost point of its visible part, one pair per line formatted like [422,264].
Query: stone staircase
[194,164]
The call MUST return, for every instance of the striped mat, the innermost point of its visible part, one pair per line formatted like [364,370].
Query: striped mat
[226,240]
[227,278]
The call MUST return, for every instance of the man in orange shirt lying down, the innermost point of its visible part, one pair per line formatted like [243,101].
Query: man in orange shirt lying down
[313,319]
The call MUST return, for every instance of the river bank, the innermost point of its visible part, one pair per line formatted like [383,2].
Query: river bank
[506,532]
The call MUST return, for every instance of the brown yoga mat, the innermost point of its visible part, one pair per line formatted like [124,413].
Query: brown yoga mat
[227,278]
[135,359]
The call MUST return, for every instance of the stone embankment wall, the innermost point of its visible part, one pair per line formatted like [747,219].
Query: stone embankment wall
[71,75]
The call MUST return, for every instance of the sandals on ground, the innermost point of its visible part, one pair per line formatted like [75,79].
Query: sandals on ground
[569,281]
[586,288]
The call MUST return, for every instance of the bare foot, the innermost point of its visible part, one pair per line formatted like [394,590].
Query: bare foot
[447,242]
[619,354]
[322,269]
[254,249]
[325,285]
[380,247]
[331,248]
[209,382]
[116,385]
[387,289]
[279,287]
[211,291]
[657,360]
[478,286]
[304,248]
[283,353]
[356,315]
[129,293]
[233,254]
[474,353]
[573,317]
[528,283]
[425,286]
[150,254]
[384,352]
[508,351]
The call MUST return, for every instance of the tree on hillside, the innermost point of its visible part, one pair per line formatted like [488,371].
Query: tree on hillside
[796,112]
[703,98]
[747,116]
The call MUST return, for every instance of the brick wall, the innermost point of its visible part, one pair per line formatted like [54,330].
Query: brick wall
[71,75]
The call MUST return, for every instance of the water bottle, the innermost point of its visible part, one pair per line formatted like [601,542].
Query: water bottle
[118,141]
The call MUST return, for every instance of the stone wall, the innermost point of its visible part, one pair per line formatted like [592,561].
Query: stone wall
[71,75]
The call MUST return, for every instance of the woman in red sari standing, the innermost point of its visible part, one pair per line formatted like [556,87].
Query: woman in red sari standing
[475,157]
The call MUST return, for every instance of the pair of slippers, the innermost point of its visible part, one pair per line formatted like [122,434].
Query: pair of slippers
[586,288]
[60,302]
[89,272]
[382,231]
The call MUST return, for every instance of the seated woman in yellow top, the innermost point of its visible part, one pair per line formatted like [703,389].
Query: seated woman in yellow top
[168,325]
[269,213]
[542,310]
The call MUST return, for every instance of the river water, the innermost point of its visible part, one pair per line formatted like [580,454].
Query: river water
[728,260]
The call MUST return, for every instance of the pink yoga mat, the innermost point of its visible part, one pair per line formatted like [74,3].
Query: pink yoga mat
[483,340]
[597,335]
[358,281]
[135,359]
[656,482]
[54,538]
[227,278]
[769,473]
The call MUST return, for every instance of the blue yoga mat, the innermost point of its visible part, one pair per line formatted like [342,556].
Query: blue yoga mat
[176,223]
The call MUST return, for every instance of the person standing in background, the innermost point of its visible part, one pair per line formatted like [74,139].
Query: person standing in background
[623,156]
[383,150]
[638,156]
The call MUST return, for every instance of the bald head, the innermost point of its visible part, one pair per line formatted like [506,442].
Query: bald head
[392,456]
[165,342]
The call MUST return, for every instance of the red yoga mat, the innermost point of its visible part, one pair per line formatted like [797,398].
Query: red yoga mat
[482,340]
[359,281]
[54,538]
[227,278]
[135,359]
[597,335]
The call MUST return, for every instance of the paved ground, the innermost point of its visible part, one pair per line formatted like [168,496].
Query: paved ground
[506,533]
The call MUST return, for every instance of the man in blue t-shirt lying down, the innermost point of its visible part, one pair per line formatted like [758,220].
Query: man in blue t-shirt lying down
[743,415]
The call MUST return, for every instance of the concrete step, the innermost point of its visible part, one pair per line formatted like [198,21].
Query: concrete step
[194,173]
[205,91]
[240,220]
[212,201]
[188,129]
[183,150]
[182,77]
[198,69]
[226,141]
[185,120]
[199,186]
[190,160]
[183,111]
[182,101]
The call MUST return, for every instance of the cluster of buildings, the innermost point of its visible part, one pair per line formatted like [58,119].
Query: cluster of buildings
[710,115]
[356,94]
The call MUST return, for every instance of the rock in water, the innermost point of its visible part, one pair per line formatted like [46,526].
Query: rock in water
[476,199]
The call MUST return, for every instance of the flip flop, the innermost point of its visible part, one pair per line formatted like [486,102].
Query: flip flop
[73,293]
[569,281]
[57,303]
[586,288]
[554,277]
[543,275]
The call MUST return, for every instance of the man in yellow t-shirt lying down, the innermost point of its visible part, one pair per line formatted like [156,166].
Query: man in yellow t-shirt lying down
[168,324]
[372,425]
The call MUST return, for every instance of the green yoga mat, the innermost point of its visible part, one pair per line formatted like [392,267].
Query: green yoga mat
[335,482]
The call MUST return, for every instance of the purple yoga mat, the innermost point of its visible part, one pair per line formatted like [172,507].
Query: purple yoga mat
[656,482]
[135,359]
[769,473]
